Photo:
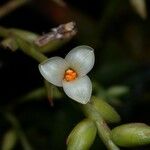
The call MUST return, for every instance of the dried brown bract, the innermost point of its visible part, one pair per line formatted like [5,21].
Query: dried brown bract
[63,31]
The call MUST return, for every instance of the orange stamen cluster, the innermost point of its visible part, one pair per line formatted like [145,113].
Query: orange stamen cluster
[70,75]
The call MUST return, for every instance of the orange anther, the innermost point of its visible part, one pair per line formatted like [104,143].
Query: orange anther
[70,75]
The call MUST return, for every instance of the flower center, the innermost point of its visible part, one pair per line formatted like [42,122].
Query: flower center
[70,75]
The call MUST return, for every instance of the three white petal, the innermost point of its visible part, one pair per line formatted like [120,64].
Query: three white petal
[53,70]
[79,90]
[81,59]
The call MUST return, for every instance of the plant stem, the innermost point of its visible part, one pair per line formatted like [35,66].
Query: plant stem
[24,40]
[30,49]
[104,133]
[4,32]
[11,6]
[103,129]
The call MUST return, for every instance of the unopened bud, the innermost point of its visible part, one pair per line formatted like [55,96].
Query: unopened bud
[106,111]
[82,136]
[129,135]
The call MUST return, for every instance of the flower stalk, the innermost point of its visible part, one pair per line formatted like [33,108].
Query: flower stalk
[30,49]
[24,40]
[102,127]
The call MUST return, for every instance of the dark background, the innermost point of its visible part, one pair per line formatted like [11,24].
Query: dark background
[120,38]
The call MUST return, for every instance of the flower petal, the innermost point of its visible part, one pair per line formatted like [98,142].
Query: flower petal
[53,70]
[79,90]
[81,59]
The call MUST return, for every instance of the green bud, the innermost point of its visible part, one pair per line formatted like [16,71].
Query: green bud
[82,136]
[129,135]
[106,111]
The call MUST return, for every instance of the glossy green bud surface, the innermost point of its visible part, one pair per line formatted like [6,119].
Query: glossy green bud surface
[106,111]
[129,135]
[82,136]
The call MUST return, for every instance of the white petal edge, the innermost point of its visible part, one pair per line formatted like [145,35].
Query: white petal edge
[53,70]
[81,59]
[79,90]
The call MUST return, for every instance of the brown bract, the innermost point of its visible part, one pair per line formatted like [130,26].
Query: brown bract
[63,31]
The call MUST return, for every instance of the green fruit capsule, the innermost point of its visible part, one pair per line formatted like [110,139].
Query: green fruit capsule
[106,111]
[129,135]
[82,136]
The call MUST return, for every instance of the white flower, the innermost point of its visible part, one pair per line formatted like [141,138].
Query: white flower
[70,73]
